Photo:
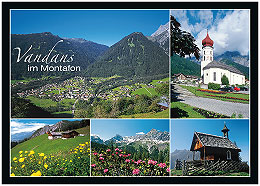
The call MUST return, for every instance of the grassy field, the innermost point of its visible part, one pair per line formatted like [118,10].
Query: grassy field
[155,82]
[176,172]
[145,90]
[195,91]
[179,173]
[43,144]
[182,110]
[63,114]
[237,174]
[162,114]
[44,103]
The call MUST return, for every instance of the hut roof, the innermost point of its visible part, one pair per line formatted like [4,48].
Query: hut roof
[68,132]
[56,133]
[209,140]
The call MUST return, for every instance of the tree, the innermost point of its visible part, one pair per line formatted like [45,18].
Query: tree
[224,80]
[182,42]
[163,90]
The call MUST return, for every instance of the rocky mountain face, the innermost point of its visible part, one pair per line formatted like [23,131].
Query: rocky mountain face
[47,128]
[162,37]
[154,144]
[154,136]
[96,138]
[60,126]
[134,55]
[235,57]
[183,155]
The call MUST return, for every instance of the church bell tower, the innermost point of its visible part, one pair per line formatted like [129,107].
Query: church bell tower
[207,53]
[225,131]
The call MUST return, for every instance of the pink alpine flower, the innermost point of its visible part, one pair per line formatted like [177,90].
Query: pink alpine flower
[93,165]
[112,154]
[117,149]
[168,169]
[152,162]
[162,165]
[138,162]
[95,153]
[127,161]
[120,150]
[136,171]
[129,155]
[108,150]
[100,154]
[101,158]
[105,170]
[120,155]
[124,155]
[116,152]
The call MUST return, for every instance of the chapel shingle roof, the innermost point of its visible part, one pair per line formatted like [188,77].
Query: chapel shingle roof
[209,140]
[215,64]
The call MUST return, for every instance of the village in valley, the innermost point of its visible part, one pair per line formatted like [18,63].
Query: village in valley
[62,97]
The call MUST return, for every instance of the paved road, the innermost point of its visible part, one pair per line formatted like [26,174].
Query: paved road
[73,107]
[148,91]
[222,107]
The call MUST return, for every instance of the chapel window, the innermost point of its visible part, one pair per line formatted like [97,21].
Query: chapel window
[228,155]
[214,76]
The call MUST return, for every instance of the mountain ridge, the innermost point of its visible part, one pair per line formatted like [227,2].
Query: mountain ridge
[133,55]
[153,135]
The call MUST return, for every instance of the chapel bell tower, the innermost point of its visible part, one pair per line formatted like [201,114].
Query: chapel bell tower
[207,53]
[225,131]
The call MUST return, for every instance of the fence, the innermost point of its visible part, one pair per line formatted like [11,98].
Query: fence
[210,167]
[178,165]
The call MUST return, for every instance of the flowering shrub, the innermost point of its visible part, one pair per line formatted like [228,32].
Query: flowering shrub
[119,163]
[228,97]
[75,163]
[212,91]
[209,114]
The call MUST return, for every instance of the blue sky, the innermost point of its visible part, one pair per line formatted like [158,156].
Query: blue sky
[108,128]
[101,26]
[29,125]
[229,29]
[182,131]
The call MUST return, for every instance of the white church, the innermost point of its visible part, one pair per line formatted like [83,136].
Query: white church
[212,71]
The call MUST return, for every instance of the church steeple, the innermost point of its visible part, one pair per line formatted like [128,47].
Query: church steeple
[225,131]
[207,54]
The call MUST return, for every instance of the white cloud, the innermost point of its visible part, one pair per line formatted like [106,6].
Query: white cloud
[229,33]
[140,133]
[19,127]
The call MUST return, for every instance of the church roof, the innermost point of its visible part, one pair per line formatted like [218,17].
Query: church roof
[215,64]
[207,41]
[209,140]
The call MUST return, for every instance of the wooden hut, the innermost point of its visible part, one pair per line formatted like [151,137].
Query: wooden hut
[70,134]
[54,135]
[215,148]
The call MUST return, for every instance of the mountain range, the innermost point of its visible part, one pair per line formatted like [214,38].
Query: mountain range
[85,52]
[190,66]
[133,55]
[63,125]
[148,140]
[234,56]
[162,37]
